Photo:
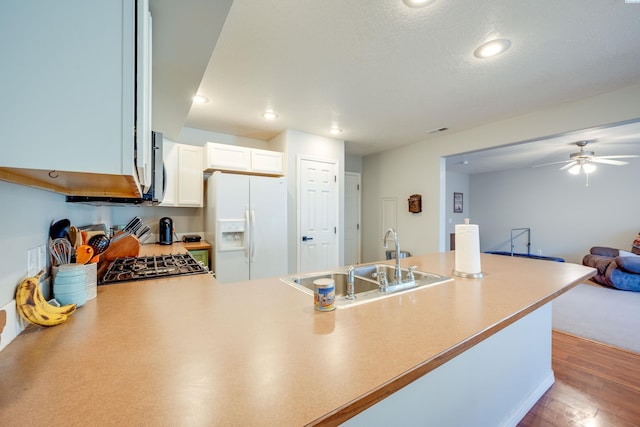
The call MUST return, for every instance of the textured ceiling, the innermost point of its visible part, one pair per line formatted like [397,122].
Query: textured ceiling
[387,74]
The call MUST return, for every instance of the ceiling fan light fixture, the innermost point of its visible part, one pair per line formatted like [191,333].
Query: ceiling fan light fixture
[575,169]
[588,168]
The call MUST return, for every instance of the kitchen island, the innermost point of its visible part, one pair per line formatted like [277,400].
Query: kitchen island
[191,351]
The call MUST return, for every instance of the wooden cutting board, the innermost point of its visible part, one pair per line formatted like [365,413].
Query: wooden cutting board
[128,246]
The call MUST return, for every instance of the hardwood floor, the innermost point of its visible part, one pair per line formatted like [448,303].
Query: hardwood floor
[596,386]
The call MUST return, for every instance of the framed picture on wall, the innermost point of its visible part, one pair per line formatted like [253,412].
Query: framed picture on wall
[457,202]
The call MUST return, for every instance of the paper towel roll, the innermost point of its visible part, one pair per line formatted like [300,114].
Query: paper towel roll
[467,251]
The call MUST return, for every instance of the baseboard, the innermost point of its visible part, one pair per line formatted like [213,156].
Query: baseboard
[525,406]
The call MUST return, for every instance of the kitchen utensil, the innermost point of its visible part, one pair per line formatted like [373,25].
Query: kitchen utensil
[84,253]
[142,231]
[99,243]
[131,227]
[127,246]
[75,236]
[60,229]
[131,222]
[61,250]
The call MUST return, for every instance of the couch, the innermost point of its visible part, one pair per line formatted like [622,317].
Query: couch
[616,268]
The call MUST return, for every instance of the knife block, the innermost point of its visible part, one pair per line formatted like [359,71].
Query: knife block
[127,246]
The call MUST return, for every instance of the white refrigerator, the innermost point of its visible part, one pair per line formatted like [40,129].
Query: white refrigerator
[246,223]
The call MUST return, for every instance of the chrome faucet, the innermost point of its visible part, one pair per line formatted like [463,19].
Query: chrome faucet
[351,283]
[397,274]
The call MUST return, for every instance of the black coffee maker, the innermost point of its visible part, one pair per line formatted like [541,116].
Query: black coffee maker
[165,231]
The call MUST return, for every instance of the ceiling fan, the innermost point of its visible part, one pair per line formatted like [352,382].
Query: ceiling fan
[583,161]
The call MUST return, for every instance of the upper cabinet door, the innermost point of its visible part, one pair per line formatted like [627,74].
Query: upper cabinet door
[232,158]
[268,162]
[227,157]
[184,178]
[190,177]
[170,159]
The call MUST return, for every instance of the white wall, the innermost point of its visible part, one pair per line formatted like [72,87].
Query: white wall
[26,215]
[419,168]
[566,217]
[200,137]
[185,220]
[456,183]
[352,163]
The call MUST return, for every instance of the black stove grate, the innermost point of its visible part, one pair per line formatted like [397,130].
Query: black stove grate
[151,267]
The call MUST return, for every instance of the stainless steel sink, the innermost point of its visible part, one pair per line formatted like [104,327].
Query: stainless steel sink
[367,287]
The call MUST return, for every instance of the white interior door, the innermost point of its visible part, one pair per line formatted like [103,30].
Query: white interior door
[318,215]
[352,202]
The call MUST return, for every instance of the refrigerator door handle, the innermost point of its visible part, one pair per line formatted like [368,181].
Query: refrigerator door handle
[246,235]
[253,237]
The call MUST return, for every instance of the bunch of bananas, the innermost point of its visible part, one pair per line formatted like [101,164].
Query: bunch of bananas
[33,307]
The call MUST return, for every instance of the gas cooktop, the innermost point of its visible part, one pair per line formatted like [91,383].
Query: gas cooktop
[151,267]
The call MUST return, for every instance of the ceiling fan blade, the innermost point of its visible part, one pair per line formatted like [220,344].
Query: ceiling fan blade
[552,163]
[608,161]
[569,165]
[622,156]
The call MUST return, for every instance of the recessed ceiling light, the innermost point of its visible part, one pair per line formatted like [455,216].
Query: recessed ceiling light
[335,131]
[199,99]
[492,48]
[417,3]
[269,115]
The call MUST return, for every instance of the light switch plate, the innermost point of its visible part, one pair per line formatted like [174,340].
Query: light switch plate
[42,258]
[32,262]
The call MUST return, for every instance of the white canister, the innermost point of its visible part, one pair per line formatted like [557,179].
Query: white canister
[324,294]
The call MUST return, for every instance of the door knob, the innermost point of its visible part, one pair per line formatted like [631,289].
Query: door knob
[306,238]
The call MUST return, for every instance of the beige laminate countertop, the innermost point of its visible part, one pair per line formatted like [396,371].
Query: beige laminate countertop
[191,351]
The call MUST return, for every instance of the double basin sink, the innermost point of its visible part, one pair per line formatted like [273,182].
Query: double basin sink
[366,285]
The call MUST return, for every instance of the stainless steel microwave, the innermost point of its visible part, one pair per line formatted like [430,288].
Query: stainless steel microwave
[156,189]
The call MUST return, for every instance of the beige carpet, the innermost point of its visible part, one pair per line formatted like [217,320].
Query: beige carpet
[601,314]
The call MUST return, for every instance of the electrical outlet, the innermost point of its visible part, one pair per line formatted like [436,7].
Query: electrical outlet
[539,251]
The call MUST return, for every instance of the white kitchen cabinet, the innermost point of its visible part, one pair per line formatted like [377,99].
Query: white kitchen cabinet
[233,158]
[183,172]
[227,157]
[267,162]
[68,107]
[170,159]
